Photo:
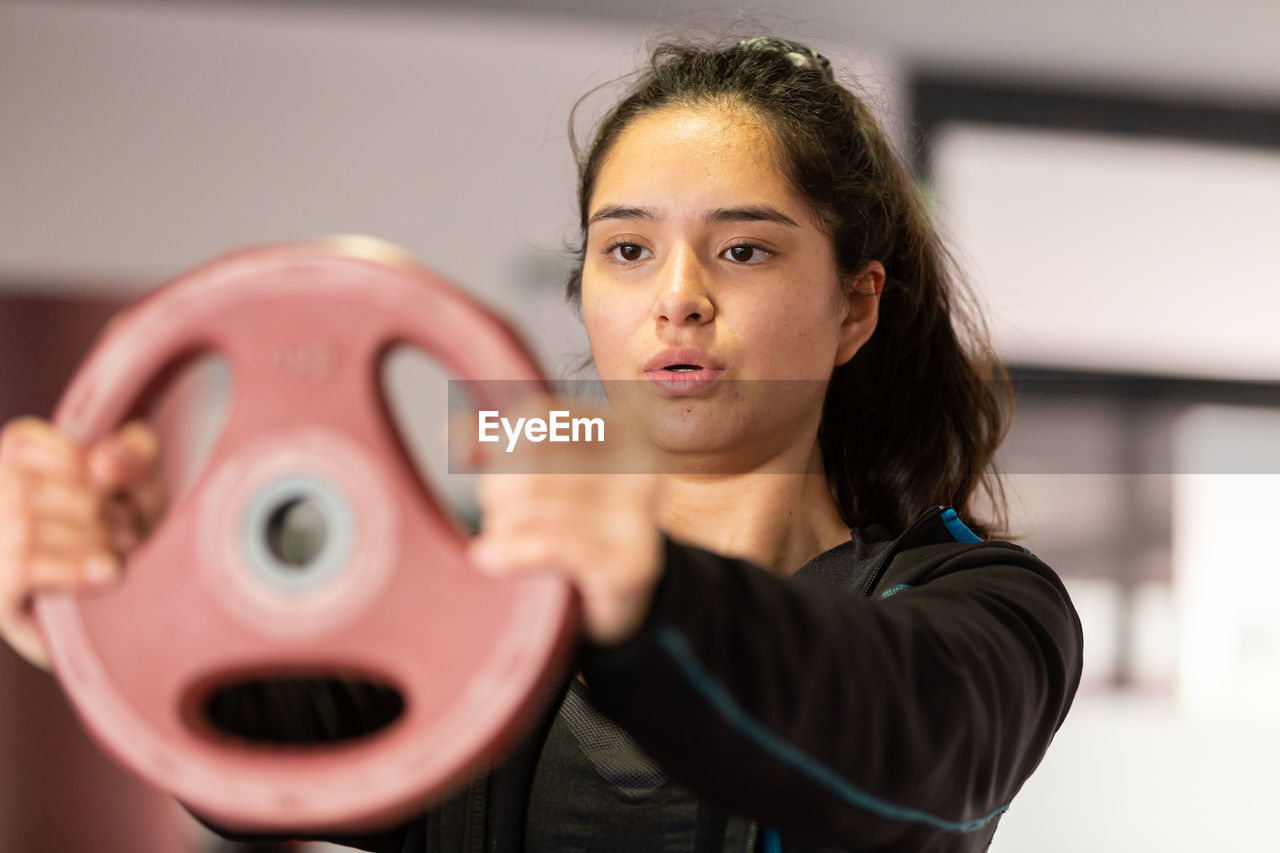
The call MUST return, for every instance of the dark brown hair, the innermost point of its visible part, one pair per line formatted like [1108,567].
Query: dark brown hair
[914,419]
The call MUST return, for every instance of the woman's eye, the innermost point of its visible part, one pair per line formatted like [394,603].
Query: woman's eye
[627,251]
[745,254]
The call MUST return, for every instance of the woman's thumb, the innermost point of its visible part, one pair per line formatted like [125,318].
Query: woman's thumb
[124,458]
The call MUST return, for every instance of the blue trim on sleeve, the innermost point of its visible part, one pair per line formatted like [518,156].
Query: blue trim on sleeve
[725,705]
[957,528]
[894,590]
[772,843]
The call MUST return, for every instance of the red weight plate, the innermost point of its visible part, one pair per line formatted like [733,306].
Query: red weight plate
[305,328]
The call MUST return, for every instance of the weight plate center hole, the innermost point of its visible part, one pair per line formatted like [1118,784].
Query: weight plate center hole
[297,531]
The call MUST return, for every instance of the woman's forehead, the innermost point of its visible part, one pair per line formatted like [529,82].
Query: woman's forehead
[690,157]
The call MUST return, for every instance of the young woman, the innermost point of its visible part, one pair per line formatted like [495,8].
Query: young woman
[791,644]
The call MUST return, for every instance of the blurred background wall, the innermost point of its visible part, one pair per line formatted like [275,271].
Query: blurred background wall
[1109,175]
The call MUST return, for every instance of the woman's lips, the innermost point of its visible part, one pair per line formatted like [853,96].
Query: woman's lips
[682,372]
[683,383]
[685,356]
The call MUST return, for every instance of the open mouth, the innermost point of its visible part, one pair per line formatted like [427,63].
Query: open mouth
[684,379]
[302,710]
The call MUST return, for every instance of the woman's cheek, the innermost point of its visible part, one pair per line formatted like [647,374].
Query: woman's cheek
[609,330]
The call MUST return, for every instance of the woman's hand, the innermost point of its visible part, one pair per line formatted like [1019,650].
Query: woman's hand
[69,514]
[587,511]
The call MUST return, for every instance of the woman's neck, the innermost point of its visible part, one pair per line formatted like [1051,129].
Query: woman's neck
[777,520]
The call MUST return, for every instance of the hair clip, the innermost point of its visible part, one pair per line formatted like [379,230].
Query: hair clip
[800,55]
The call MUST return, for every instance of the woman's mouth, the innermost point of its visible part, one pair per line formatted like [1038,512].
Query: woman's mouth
[682,372]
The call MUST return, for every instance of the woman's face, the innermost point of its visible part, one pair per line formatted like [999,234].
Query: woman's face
[708,284]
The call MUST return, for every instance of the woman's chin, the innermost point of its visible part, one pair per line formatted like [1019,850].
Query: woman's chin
[685,434]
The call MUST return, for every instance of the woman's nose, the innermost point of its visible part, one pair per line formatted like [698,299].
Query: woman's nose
[685,298]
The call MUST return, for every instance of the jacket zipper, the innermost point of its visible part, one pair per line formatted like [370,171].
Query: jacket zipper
[478,819]
[883,562]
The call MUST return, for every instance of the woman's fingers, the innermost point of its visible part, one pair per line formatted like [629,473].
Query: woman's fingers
[124,458]
[584,509]
[543,515]
[67,514]
[21,575]
[127,464]
[67,500]
[71,569]
[55,536]
[19,578]
[38,447]
[49,538]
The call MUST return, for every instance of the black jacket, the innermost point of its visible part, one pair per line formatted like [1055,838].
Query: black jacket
[899,711]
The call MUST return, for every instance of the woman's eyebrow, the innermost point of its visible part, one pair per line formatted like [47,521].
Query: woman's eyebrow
[751,213]
[747,213]
[618,211]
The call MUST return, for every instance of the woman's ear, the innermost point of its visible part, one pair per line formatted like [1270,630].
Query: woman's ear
[862,309]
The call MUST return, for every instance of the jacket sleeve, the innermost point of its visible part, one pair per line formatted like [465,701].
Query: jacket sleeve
[854,721]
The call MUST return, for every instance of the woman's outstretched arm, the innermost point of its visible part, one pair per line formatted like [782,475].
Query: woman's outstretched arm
[854,720]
